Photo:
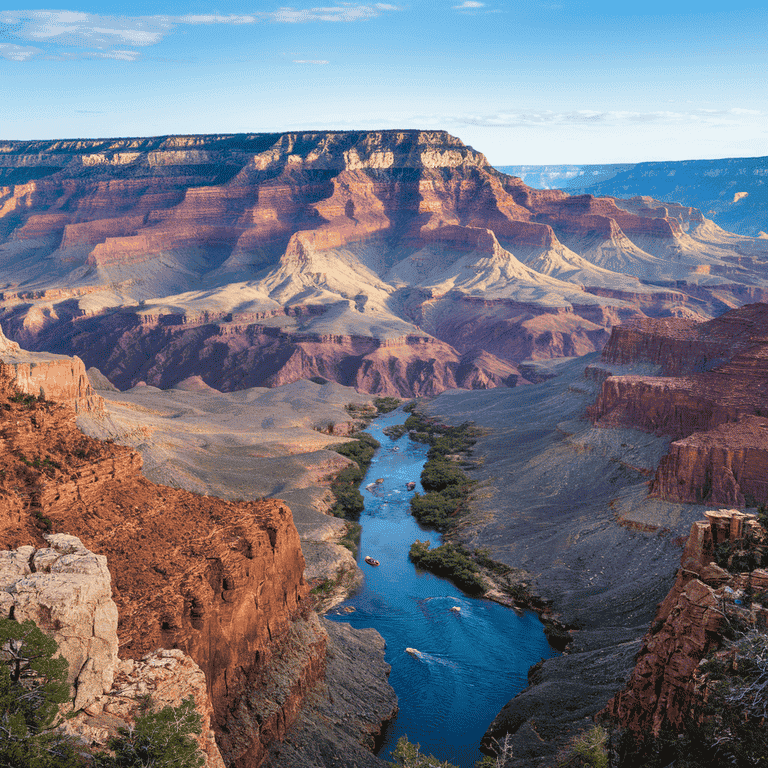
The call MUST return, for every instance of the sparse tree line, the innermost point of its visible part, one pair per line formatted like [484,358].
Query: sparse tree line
[33,686]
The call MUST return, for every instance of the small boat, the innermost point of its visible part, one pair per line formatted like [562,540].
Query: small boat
[379,480]
[410,486]
[370,487]
[456,609]
[371,561]
[413,652]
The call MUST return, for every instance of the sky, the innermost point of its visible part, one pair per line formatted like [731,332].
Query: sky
[524,82]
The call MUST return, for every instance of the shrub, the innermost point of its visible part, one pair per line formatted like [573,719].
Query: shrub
[349,500]
[33,683]
[161,739]
[386,404]
[408,755]
[448,560]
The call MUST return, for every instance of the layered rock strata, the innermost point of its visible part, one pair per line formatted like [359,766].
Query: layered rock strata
[335,254]
[711,402]
[220,581]
[664,689]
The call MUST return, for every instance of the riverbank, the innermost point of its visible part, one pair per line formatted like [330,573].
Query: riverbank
[567,505]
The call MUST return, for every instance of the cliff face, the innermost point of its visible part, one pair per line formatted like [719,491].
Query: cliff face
[664,688]
[279,241]
[714,412]
[220,581]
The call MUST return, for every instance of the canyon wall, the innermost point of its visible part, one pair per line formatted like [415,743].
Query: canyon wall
[334,254]
[665,688]
[712,402]
[220,581]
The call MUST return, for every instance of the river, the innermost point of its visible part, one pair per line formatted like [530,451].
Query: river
[471,661]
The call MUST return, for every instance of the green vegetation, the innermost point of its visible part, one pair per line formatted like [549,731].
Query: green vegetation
[349,500]
[446,484]
[351,537]
[449,560]
[588,750]
[407,755]
[33,684]
[161,739]
[30,401]
[386,404]
[395,432]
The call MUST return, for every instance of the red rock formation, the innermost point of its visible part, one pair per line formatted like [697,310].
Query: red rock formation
[221,581]
[663,688]
[720,452]
[124,215]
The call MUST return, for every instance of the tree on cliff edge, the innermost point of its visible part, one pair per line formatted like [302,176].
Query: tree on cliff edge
[32,686]
[162,739]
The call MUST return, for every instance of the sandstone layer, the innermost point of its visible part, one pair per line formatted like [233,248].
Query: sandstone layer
[711,402]
[394,261]
[220,581]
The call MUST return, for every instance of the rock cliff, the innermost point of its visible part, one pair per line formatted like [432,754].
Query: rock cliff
[220,581]
[334,254]
[711,402]
[665,686]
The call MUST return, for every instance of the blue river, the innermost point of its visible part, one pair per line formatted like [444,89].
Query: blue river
[470,662]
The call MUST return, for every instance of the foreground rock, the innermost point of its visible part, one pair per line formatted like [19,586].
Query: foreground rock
[65,589]
[220,581]
[665,688]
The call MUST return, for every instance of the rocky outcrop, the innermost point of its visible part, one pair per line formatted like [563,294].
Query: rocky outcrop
[713,411]
[65,589]
[167,677]
[220,581]
[664,689]
[378,235]
[51,377]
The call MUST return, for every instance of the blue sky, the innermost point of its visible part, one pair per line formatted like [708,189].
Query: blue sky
[532,81]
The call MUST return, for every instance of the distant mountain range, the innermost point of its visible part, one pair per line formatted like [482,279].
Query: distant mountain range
[733,192]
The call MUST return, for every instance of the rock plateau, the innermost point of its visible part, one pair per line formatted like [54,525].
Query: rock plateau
[397,262]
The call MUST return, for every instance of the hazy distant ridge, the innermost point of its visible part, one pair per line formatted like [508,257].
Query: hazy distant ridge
[716,187]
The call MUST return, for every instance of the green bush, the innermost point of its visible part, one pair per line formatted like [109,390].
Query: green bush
[435,510]
[161,739]
[408,755]
[451,561]
[386,404]
[33,683]
[345,486]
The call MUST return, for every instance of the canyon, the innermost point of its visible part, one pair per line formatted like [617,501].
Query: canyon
[731,191]
[396,262]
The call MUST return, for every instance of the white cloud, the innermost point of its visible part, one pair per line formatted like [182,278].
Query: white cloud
[310,61]
[80,30]
[469,5]
[585,117]
[18,52]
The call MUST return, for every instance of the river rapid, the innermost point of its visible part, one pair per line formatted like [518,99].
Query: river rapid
[469,662]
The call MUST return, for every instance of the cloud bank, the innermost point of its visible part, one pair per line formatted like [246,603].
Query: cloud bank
[70,34]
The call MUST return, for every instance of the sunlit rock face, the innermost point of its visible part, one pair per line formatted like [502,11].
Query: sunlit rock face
[711,401]
[220,581]
[398,262]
